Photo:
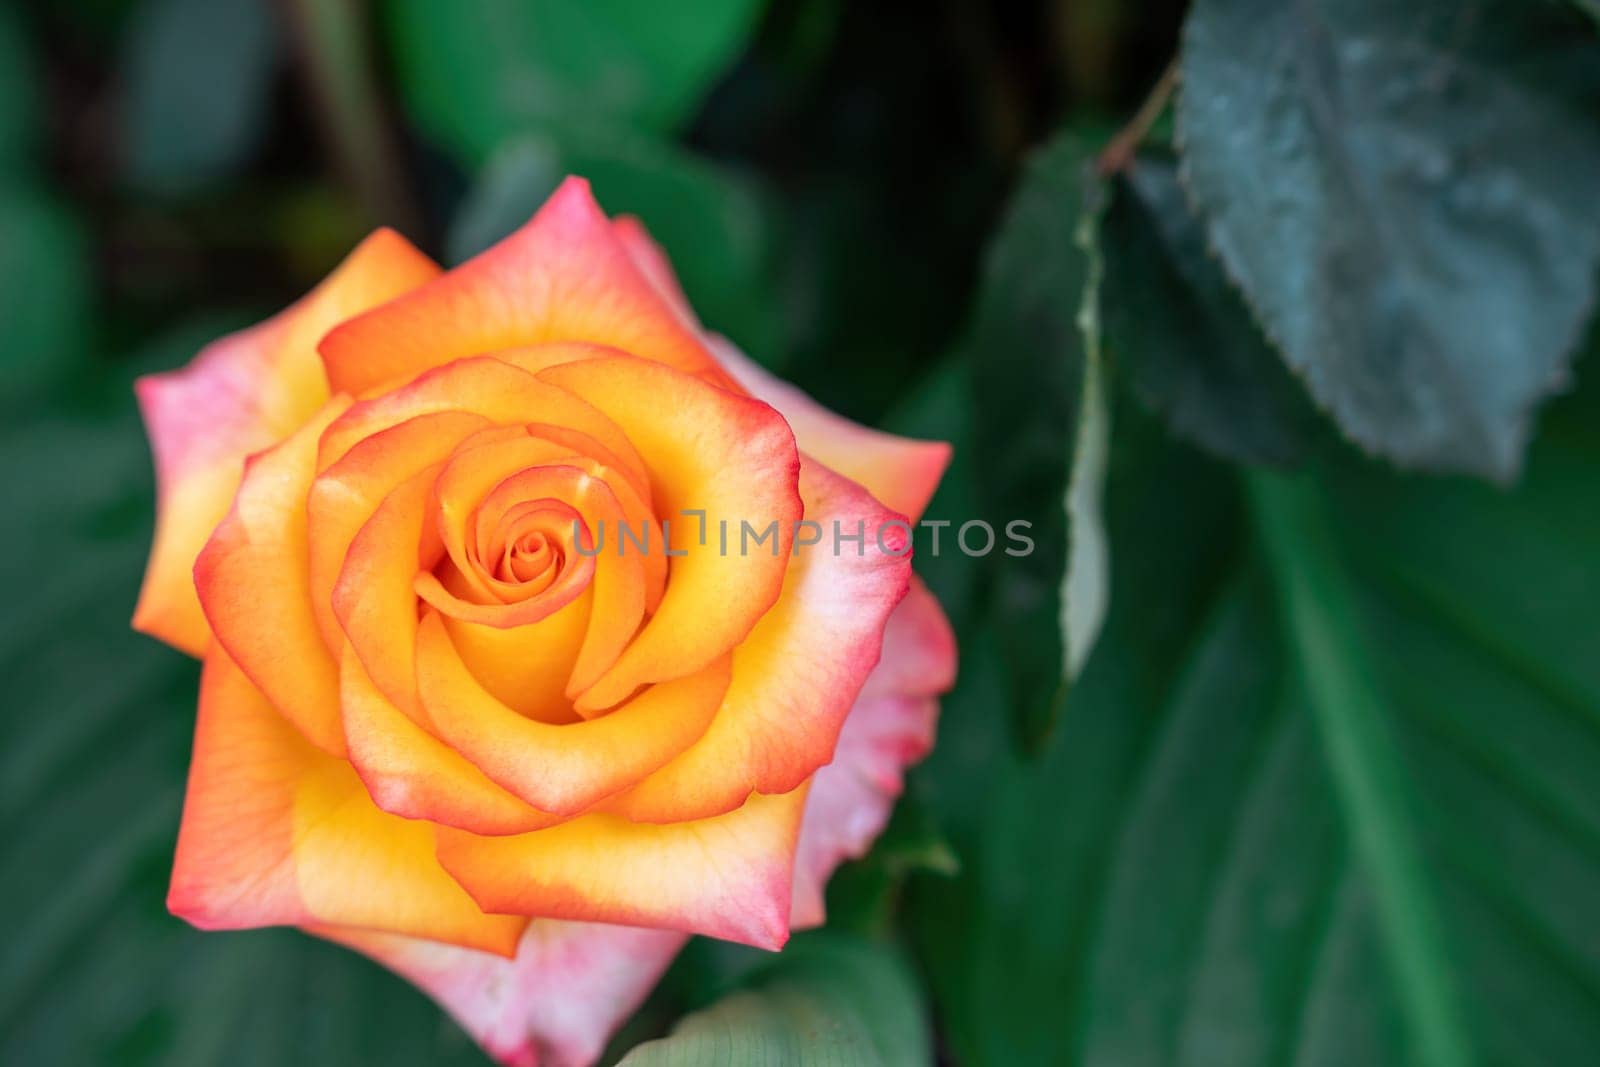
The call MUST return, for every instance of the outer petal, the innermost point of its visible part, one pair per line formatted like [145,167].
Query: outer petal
[798,673]
[919,649]
[729,457]
[562,277]
[555,1005]
[900,471]
[652,261]
[254,583]
[240,395]
[728,876]
[890,728]
[276,832]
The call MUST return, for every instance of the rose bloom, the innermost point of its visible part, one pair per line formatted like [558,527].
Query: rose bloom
[443,720]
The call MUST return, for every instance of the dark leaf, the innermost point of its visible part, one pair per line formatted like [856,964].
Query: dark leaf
[1039,432]
[1352,822]
[1405,194]
[1180,333]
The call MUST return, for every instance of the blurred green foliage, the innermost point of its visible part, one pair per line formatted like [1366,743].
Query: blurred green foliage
[1324,791]
[45,285]
[1185,875]
[198,77]
[1041,273]
[1181,332]
[475,73]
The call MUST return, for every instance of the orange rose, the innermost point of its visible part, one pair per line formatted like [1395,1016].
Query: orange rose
[487,695]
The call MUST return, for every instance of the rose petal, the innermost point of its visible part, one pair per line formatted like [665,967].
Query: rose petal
[653,263]
[798,673]
[727,456]
[479,487]
[253,579]
[561,768]
[411,773]
[555,1005]
[902,472]
[242,394]
[348,493]
[527,667]
[890,728]
[562,277]
[729,876]
[919,649]
[500,392]
[276,832]
[624,583]
[854,795]
[373,596]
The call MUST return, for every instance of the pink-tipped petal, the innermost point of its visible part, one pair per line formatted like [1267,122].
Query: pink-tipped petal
[277,832]
[652,261]
[800,670]
[571,985]
[562,277]
[890,728]
[242,394]
[902,472]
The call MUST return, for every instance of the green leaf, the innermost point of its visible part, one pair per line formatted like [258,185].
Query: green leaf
[714,223]
[1329,651]
[46,288]
[1405,194]
[1005,944]
[93,751]
[825,1000]
[1180,333]
[1352,822]
[199,77]
[475,72]
[1040,429]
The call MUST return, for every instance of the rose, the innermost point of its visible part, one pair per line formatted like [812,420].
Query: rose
[443,718]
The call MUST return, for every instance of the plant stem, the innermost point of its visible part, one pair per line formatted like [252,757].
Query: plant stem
[1119,151]
[335,50]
